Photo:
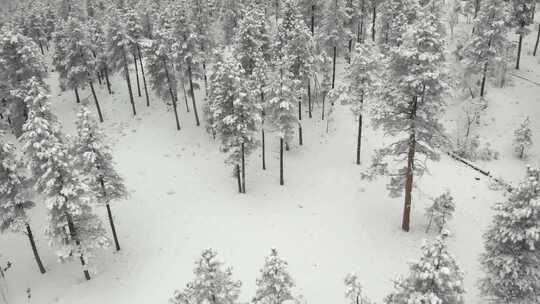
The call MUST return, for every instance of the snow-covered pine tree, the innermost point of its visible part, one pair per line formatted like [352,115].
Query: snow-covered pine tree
[34,27]
[489,40]
[411,102]
[395,16]
[202,16]
[520,18]
[297,48]
[98,45]
[213,283]
[118,45]
[334,32]
[441,211]
[186,53]
[134,31]
[361,82]
[73,59]
[159,66]
[353,290]
[231,13]
[235,114]
[523,138]
[96,161]
[512,246]
[14,194]
[312,10]
[20,61]
[275,284]
[434,278]
[72,225]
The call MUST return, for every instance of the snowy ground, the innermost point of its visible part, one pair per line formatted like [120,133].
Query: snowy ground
[326,221]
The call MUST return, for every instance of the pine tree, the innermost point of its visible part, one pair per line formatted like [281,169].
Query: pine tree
[213,283]
[412,101]
[96,161]
[202,16]
[334,31]
[312,11]
[512,246]
[134,31]
[434,278]
[98,46]
[441,211]
[361,81]
[118,45]
[520,17]
[230,15]
[523,138]
[489,41]
[74,61]
[353,290]
[234,113]
[186,52]
[14,194]
[72,225]
[395,16]
[275,284]
[160,69]
[34,27]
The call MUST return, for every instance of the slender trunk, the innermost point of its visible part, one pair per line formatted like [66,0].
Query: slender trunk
[41,48]
[281,180]
[205,79]
[350,51]
[243,170]
[373,23]
[537,40]
[185,93]
[484,76]
[334,68]
[173,99]
[106,72]
[312,19]
[263,150]
[77,98]
[137,75]
[300,140]
[143,77]
[359,142]
[309,96]
[34,248]
[98,108]
[323,99]
[519,50]
[74,236]
[238,178]
[98,74]
[128,81]
[193,95]
[522,152]
[410,168]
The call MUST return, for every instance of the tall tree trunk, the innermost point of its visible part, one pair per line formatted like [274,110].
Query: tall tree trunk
[77,98]
[300,139]
[34,248]
[263,150]
[106,72]
[350,51]
[185,93]
[126,71]
[74,236]
[281,180]
[137,75]
[323,100]
[537,40]
[173,98]
[98,74]
[193,95]
[334,68]
[519,49]
[109,215]
[410,169]
[312,19]
[373,22]
[359,142]
[143,77]
[243,170]
[205,79]
[309,96]
[238,178]
[484,76]
[41,48]
[98,108]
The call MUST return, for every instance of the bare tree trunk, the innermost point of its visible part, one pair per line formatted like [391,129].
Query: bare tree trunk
[41,48]
[137,74]
[98,108]
[373,23]
[238,178]
[128,81]
[484,75]
[263,150]
[193,95]
[300,140]
[323,99]
[410,168]
[359,142]
[34,248]
[334,68]
[519,49]
[73,234]
[77,98]
[173,98]
[281,180]
[106,71]
[143,77]
[309,96]
[537,39]
[313,19]
[243,170]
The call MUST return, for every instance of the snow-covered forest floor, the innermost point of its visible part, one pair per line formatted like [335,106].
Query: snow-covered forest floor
[326,221]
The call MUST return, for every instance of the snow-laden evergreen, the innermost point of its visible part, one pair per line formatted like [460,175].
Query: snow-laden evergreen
[412,101]
[441,211]
[72,225]
[521,17]
[334,34]
[523,138]
[394,20]
[512,246]
[96,162]
[275,285]
[434,279]
[213,283]
[353,290]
